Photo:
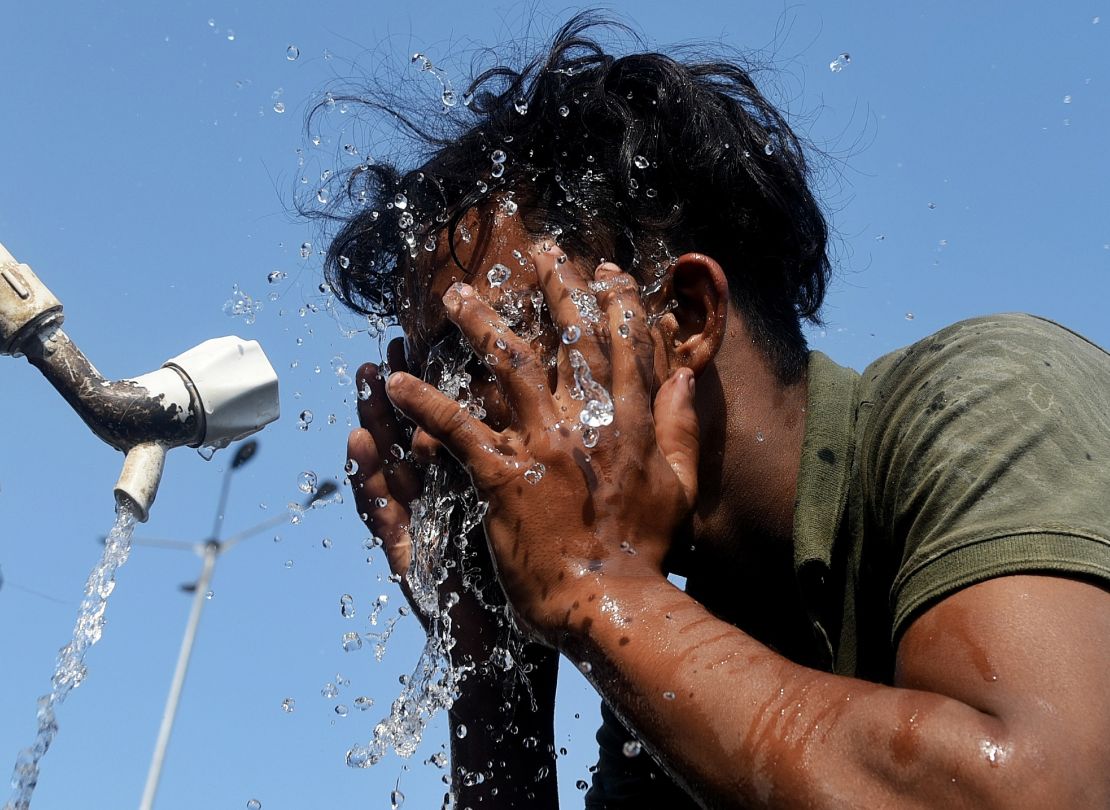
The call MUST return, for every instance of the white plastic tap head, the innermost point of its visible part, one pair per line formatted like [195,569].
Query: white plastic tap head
[236,385]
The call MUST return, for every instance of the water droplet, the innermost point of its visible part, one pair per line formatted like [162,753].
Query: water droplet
[632,748]
[623,330]
[932,205]
[330,691]
[509,207]
[288,705]
[400,201]
[275,276]
[279,107]
[840,63]
[362,703]
[304,420]
[641,162]
[231,38]
[497,170]
[292,52]
[571,334]
[405,220]
[381,503]
[586,667]
[498,156]
[768,148]
[581,784]
[498,275]
[521,106]
[590,437]
[460,731]
[206,452]
[208,595]
[534,474]
[322,196]
[347,606]
[351,467]
[254,804]
[326,542]
[341,709]
[668,695]
[396,799]
[909,316]
[628,548]
[564,111]
[306,249]
[306,481]
[502,659]
[288,563]
[759,437]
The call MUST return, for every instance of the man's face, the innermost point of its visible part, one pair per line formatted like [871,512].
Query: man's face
[494,247]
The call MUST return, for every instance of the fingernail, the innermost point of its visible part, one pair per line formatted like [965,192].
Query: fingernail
[690,380]
[453,298]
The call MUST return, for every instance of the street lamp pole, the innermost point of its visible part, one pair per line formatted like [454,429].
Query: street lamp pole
[209,551]
[200,596]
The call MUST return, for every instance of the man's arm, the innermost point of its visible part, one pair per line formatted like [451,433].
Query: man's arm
[503,746]
[999,701]
[580,556]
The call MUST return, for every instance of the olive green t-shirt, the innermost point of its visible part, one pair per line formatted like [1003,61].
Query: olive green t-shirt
[980,451]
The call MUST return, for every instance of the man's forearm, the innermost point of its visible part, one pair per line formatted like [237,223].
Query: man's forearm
[742,726]
[503,738]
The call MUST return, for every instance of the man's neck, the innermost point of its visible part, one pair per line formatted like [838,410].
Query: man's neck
[742,533]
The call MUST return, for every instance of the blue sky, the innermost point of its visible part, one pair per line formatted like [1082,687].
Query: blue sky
[145,172]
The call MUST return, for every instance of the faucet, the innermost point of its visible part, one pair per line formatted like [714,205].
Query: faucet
[217,392]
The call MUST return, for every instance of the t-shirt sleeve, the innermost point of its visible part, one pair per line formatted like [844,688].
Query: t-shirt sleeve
[988,446]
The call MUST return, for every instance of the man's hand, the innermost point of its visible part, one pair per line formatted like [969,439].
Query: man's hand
[565,511]
[385,484]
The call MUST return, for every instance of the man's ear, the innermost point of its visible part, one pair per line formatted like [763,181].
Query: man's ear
[694,329]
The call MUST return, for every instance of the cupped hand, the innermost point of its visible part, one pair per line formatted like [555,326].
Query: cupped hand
[386,481]
[565,512]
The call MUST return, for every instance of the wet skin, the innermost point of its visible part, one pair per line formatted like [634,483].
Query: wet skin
[999,693]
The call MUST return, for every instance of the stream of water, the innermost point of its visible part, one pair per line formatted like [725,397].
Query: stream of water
[70,669]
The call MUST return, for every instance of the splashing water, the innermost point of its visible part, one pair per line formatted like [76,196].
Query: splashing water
[598,411]
[241,305]
[70,669]
[840,62]
[444,514]
[447,96]
[440,513]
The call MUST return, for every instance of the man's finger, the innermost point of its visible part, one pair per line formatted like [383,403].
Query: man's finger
[385,515]
[676,430]
[376,415]
[631,352]
[469,440]
[513,362]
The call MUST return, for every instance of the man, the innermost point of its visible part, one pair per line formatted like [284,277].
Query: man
[897,581]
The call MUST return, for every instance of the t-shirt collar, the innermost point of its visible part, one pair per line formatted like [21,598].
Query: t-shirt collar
[826,464]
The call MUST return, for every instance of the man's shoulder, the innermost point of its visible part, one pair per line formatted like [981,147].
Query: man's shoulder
[979,350]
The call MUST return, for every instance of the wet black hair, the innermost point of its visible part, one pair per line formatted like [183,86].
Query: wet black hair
[636,159]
